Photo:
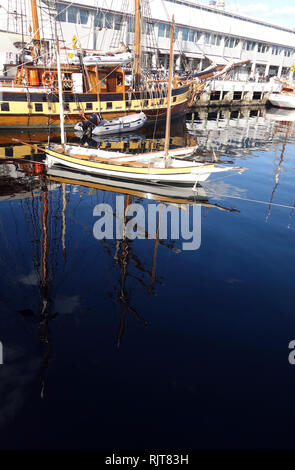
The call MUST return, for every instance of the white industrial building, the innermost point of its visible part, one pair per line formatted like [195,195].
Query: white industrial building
[203,31]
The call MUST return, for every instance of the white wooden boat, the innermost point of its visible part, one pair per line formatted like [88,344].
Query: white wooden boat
[117,125]
[164,193]
[285,99]
[153,167]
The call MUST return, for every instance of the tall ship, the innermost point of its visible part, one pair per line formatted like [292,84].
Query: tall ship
[92,82]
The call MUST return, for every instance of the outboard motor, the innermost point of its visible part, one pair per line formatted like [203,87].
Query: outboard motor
[94,120]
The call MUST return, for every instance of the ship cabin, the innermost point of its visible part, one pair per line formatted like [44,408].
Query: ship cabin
[93,80]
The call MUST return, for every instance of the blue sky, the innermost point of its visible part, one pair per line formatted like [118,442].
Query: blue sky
[279,12]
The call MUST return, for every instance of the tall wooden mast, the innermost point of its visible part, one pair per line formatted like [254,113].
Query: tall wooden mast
[168,118]
[36,31]
[137,34]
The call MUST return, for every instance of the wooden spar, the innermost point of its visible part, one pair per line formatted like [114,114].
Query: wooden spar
[168,118]
[137,33]
[36,32]
[60,97]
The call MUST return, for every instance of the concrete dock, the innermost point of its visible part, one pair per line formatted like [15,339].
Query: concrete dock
[235,93]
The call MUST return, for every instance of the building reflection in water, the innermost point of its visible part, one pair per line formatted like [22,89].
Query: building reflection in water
[45,200]
[239,132]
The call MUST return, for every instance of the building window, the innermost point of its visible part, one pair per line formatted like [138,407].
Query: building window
[61,10]
[207,38]
[276,50]
[249,45]
[118,22]
[232,42]
[73,14]
[262,48]
[84,14]
[161,30]
[188,35]
[198,35]
[109,19]
[215,39]
[130,25]
[185,32]
[176,32]
[288,52]
[164,30]
[98,21]
[149,28]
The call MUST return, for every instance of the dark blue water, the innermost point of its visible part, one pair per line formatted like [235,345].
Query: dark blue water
[138,343]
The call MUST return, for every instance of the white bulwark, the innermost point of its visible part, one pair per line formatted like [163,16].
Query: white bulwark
[205,32]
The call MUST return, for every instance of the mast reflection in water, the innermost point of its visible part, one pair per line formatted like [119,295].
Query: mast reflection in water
[136,343]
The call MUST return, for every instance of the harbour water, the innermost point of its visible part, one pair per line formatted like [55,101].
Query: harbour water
[141,344]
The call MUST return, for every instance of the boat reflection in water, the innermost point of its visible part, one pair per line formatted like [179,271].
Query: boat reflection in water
[280,114]
[123,250]
[45,205]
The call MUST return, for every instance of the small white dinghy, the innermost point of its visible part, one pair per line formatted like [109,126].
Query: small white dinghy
[117,125]
[108,59]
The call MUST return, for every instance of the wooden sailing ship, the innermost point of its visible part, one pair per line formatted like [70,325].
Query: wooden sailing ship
[32,99]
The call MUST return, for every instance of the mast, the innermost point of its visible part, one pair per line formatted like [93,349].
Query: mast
[60,97]
[137,33]
[36,31]
[168,118]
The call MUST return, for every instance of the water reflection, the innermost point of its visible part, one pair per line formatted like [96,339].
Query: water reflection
[69,301]
[48,203]
[239,132]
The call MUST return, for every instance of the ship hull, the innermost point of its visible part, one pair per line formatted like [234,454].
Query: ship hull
[38,110]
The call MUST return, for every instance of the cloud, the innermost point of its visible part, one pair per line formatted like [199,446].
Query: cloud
[16,375]
[65,304]
[29,279]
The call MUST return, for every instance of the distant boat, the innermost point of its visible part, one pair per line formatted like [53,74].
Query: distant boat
[98,126]
[285,98]
[108,59]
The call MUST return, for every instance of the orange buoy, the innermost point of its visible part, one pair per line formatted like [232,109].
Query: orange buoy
[48,78]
